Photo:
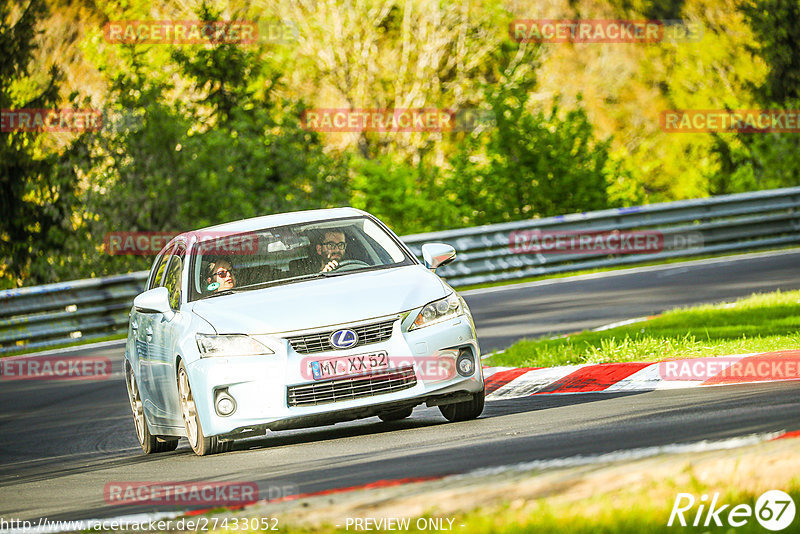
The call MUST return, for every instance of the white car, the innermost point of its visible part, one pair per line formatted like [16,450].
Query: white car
[295,320]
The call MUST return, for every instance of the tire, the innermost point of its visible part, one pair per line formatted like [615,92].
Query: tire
[396,415]
[199,442]
[464,411]
[150,444]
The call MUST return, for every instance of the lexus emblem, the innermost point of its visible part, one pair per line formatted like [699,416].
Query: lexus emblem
[344,338]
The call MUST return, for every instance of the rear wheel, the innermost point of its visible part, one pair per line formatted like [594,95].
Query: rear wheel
[201,445]
[150,443]
[396,415]
[464,411]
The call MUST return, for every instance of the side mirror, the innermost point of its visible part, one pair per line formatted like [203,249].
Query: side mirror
[155,300]
[437,254]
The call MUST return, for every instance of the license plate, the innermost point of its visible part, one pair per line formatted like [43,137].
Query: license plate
[349,365]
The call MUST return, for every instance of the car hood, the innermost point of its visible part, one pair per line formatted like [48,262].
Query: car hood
[322,302]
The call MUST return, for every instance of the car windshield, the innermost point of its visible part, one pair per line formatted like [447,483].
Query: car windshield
[231,263]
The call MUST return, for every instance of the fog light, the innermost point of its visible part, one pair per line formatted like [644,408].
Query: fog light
[465,363]
[225,404]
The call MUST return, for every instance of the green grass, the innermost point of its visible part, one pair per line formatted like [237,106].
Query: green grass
[759,323]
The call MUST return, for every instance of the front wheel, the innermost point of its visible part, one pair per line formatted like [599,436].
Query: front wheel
[464,411]
[201,445]
[150,443]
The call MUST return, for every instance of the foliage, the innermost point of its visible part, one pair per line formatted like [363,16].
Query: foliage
[533,163]
[761,160]
[522,164]
[405,197]
[36,195]
[388,54]
[212,132]
[776,24]
[231,153]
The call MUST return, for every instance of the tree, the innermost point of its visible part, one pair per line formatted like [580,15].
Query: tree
[400,55]
[776,24]
[406,197]
[228,150]
[765,160]
[534,163]
[36,194]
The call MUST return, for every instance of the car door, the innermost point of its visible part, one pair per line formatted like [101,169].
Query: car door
[141,329]
[166,330]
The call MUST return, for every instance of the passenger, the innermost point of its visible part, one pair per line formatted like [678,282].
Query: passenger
[220,276]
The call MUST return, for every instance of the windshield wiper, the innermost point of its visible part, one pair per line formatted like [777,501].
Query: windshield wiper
[350,271]
[306,277]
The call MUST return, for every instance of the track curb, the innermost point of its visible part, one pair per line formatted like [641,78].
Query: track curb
[515,382]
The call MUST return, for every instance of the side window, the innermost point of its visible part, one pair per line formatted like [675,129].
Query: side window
[172,280]
[158,269]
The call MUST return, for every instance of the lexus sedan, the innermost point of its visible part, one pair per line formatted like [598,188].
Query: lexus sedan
[295,320]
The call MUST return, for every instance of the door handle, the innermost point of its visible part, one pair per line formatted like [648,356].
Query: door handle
[148,333]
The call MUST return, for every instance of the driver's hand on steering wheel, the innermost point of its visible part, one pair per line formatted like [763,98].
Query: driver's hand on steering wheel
[331,265]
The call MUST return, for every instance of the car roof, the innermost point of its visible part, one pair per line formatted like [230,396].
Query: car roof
[281,219]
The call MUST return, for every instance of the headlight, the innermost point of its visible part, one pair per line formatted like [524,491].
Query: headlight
[229,345]
[439,310]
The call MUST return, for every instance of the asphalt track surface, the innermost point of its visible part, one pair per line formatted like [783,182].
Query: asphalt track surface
[61,442]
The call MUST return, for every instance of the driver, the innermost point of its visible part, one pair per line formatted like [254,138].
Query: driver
[330,250]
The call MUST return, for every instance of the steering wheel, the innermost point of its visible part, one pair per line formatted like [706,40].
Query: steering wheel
[353,263]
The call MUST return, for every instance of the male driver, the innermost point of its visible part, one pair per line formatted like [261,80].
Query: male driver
[220,276]
[331,250]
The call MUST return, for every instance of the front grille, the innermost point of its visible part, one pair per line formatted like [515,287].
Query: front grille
[320,341]
[341,389]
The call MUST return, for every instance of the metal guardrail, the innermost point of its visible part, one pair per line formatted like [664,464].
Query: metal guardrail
[56,314]
[729,223]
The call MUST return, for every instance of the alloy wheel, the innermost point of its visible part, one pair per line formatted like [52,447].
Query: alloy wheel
[188,407]
[136,407]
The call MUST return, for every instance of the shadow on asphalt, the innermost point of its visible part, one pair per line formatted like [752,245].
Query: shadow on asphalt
[422,417]
[535,403]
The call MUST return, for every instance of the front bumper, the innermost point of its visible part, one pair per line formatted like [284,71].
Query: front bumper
[260,384]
